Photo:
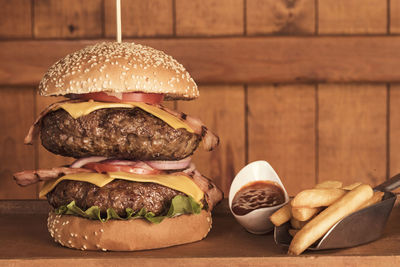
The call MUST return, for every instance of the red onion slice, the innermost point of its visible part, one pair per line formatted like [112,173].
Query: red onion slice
[83,161]
[136,164]
[170,164]
[120,162]
[144,165]
[190,169]
[148,165]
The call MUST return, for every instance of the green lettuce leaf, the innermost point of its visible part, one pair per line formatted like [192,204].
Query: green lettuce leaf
[179,205]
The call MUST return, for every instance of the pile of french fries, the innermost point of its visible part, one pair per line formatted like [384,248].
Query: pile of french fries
[314,211]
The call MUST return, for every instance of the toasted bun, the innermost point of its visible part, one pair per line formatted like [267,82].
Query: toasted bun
[137,234]
[118,68]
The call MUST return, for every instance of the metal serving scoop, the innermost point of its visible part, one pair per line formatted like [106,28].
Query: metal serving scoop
[360,227]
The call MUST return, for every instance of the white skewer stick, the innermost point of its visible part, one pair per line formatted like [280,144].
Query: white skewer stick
[118,8]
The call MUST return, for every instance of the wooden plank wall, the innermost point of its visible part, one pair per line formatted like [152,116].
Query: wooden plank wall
[309,131]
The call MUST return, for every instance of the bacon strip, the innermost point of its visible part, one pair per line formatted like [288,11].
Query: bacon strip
[212,193]
[210,140]
[25,178]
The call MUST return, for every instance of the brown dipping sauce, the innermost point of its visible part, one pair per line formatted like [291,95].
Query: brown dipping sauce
[256,195]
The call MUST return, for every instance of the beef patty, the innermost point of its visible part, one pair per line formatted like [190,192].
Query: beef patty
[116,132]
[118,194]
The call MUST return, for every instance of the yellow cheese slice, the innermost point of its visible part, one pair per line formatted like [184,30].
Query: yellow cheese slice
[91,177]
[180,183]
[77,110]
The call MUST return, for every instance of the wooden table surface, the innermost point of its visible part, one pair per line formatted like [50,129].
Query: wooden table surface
[24,240]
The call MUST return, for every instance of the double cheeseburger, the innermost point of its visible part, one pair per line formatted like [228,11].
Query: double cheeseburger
[132,185]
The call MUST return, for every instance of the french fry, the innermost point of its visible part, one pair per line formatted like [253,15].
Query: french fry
[329,184]
[351,186]
[296,224]
[378,195]
[313,198]
[304,214]
[293,232]
[281,216]
[318,226]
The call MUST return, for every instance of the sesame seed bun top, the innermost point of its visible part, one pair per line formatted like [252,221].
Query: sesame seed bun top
[119,68]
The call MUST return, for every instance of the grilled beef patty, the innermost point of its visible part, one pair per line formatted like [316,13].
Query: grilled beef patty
[117,132]
[118,194]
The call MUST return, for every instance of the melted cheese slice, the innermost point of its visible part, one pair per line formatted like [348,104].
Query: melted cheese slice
[180,183]
[77,110]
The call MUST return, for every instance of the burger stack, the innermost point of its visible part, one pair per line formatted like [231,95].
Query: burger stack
[133,185]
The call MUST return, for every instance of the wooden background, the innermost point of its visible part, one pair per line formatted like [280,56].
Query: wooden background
[308,85]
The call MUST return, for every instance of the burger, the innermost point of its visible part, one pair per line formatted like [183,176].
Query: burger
[133,185]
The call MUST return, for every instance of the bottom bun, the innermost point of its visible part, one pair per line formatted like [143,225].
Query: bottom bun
[136,234]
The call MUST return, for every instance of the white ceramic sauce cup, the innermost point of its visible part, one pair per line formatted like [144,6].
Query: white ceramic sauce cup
[256,221]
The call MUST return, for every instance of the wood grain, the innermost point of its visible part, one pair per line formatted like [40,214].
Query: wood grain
[16,111]
[67,18]
[394,16]
[394,127]
[24,206]
[352,133]
[281,130]
[352,17]
[280,17]
[140,18]
[209,17]
[235,60]
[15,18]
[221,108]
